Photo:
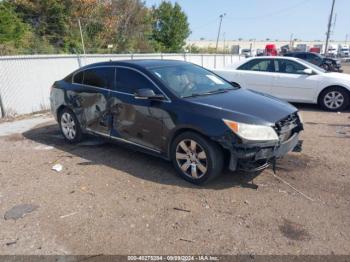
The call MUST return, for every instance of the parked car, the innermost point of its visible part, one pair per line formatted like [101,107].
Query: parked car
[260,52]
[248,52]
[178,111]
[291,79]
[327,63]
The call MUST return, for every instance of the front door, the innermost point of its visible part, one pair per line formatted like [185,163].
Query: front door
[257,75]
[138,121]
[292,84]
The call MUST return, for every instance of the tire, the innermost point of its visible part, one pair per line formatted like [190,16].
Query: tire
[334,99]
[70,126]
[195,158]
[326,67]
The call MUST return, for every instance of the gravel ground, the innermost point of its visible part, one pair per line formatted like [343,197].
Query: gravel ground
[109,199]
[346,68]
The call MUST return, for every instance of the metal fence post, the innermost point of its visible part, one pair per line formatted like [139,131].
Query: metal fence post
[79,60]
[3,113]
[215,61]
[202,59]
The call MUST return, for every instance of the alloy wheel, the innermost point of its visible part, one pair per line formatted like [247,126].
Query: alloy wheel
[191,159]
[68,126]
[333,100]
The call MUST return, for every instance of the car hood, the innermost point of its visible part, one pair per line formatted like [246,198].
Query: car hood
[247,106]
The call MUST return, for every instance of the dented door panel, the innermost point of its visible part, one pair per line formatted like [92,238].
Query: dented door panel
[90,106]
[137,121]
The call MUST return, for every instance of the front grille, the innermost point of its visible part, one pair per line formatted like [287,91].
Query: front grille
[286,127]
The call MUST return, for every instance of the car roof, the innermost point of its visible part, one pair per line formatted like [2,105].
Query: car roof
[238,64]
[137,63]
[272,57]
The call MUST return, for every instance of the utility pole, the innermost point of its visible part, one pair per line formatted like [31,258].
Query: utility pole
[217,39]
[329,28]
[224,49]
[81,36]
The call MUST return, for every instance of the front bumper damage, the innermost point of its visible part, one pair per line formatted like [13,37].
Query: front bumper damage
[252,157]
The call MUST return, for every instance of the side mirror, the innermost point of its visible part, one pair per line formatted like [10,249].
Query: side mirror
[147,94]
[308,71]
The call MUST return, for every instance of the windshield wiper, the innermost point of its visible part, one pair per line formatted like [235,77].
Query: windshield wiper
[217,91]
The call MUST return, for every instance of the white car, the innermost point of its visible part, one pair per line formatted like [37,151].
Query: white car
[291,79]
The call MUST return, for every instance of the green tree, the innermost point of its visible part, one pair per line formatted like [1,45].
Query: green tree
[50,21]
[14,33]
[170,27]
[133,26]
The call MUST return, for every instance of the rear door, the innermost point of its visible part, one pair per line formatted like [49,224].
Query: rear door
[257,74]
[291,83]
[138,121]
[91,96]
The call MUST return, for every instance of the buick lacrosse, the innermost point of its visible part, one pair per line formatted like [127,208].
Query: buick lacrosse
[178,111]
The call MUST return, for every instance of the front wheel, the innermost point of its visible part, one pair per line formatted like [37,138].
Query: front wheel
[196,158]
[70,126]
[334,99]
[326,67]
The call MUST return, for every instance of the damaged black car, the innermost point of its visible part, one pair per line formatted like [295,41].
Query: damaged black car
[178,111]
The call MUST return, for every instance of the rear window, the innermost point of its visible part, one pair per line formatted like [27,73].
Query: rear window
[78,78]
[102,77]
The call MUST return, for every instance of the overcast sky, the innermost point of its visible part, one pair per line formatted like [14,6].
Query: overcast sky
[261,19]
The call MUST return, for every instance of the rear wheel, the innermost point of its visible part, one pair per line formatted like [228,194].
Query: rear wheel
[334,99]
[196,158]
[70,126]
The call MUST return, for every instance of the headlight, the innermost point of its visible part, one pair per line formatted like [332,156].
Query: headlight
[252,132]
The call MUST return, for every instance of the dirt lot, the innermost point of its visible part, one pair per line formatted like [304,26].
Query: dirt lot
[346,68]
[113,200]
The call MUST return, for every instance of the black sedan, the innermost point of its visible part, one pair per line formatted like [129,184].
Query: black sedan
[327,63]
[178,111]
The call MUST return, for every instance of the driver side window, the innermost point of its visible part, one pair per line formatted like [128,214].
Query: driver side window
[128,81]
[290,67]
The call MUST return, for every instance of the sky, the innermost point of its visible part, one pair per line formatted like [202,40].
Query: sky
[261,19]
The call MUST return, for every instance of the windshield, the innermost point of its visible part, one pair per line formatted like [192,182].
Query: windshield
[312,66]
[190,80]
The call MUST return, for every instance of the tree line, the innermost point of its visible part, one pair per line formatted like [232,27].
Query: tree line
[114,26]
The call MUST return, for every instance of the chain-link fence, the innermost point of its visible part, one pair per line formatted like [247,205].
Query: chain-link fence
[25,80]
